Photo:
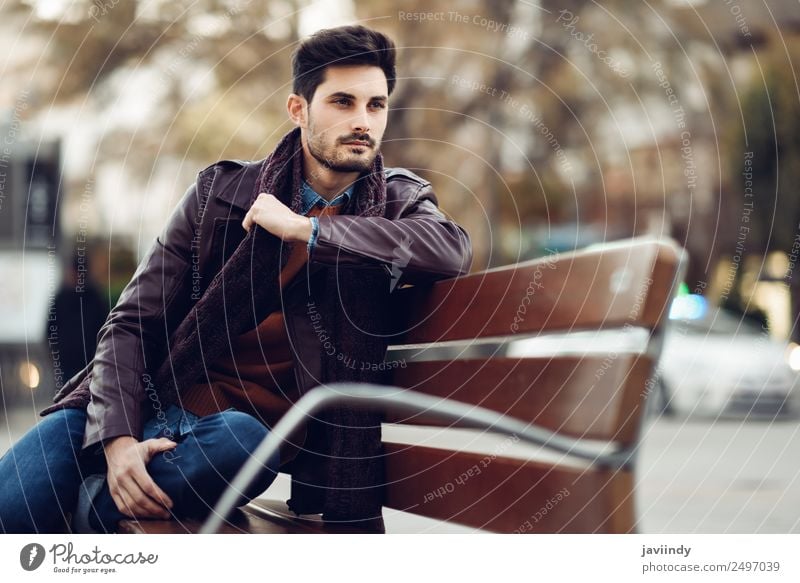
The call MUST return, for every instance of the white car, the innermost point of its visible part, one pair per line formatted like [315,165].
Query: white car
[715,363]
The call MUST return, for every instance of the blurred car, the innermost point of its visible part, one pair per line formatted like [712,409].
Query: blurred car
[717,363]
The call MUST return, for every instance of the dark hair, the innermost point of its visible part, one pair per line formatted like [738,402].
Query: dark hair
[343,45]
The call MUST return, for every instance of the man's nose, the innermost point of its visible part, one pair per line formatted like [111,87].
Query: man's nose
[360,122]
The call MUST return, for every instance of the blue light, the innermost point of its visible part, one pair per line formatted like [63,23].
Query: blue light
[689,307]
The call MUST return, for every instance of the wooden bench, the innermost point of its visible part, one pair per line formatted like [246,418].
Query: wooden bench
[561,453]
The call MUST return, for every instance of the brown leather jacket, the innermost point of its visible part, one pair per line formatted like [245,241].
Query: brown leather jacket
[192,249]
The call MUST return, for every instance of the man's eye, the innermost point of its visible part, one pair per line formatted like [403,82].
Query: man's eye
[379,104]
[342,101]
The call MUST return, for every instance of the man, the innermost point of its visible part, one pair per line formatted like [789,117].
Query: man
[272,277]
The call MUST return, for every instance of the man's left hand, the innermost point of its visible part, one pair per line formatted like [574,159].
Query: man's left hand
[274,216]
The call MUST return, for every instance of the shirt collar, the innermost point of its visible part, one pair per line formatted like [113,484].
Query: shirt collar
[310,198]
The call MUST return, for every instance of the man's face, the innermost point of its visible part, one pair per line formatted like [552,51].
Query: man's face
[347,117]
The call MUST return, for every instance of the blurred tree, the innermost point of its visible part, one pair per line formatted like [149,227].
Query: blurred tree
[537,146]
[235,45]
[770,135]
[528,118]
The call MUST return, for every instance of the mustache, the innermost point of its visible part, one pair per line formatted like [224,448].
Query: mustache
[360,138]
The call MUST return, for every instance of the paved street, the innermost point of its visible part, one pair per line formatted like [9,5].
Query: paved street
[694,477]
[720,477]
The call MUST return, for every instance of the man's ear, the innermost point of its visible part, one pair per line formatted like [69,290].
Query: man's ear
[297,107]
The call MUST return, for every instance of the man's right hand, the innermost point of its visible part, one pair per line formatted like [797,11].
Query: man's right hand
[132,489]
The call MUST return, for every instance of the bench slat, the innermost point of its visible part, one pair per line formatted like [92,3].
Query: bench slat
[606,288]
[507,495]
[588,397]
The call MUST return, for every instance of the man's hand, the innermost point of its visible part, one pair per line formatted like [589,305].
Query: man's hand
[271,214]
[132,489]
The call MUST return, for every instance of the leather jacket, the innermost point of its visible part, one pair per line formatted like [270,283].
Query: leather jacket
[201,234]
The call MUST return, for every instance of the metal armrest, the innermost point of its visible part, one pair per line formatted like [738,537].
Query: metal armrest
[404,401]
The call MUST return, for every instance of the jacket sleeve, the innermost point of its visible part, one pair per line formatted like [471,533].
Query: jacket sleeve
[419,246]
[137,327]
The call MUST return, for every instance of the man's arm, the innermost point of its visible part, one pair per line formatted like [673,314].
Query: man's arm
[137,326]
[422,244]
[135,329]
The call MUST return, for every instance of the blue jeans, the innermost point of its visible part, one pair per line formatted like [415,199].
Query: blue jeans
[41,474]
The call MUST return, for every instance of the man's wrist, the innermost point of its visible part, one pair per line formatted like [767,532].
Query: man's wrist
[304,230]
[112,444]
[118,438]
[314,234]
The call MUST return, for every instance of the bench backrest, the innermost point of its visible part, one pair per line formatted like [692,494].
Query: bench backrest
[460,343]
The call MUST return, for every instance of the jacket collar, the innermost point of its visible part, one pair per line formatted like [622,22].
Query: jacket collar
[235,180]
[311,198]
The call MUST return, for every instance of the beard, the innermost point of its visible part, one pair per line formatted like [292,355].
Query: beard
[339,155]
